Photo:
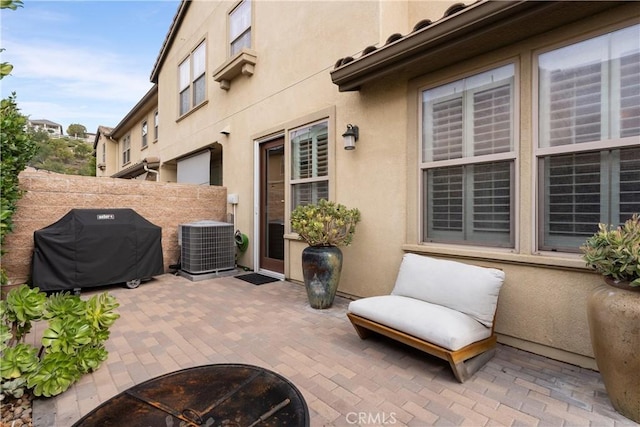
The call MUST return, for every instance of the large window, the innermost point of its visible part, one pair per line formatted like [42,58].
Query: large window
[309,164]
[126,150]
[588,139]
[191,75]
[467,160]
[240,27]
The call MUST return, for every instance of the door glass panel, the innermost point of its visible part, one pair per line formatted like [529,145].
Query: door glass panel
[274,208]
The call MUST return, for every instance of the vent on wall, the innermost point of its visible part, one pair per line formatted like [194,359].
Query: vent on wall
[206,247]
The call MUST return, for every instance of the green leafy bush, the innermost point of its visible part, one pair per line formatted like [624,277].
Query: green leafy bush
[72,344]
[325,223]
[17,149]
[615,253]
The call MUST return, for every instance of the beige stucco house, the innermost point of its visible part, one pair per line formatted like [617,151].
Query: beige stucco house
[494,133]
[52,128]
[131,149]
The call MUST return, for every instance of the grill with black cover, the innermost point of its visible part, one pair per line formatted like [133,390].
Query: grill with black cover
[96,247]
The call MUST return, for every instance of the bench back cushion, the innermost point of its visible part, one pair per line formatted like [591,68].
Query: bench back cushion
[462,287]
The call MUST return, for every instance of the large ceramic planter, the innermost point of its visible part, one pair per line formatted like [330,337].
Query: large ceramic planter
[321,267]
[614,324]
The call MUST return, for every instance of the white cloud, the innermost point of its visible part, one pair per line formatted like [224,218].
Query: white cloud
[78,72]
[74,84]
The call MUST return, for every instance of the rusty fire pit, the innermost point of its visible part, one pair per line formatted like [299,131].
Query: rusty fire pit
[226,395]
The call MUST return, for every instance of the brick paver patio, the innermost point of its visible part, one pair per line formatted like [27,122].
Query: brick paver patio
[171,323]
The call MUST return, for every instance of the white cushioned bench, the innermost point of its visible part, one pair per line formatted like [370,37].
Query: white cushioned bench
[444,308]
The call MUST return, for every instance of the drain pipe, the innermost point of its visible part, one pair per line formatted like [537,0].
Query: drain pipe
[146,168]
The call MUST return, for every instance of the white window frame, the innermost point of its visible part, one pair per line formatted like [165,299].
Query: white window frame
[316,177]
[608,146]
[126,150]
[239,38]
[467,158]
[145,133]
[192,72]
[156,122]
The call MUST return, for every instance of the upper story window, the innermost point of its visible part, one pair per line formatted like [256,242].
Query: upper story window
[155,126]
[240,27]
[309,164]
[191,71]
[145,132]
[126,150]
[104,152]
[588,149]
[468,160]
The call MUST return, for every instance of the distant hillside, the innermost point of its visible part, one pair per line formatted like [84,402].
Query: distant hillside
[63,155]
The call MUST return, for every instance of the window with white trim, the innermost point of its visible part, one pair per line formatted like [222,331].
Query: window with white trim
[309,164]
[588,149]
[126,150]
[155,126]
[145,132]
[468,160]
[240,27]
[191,76]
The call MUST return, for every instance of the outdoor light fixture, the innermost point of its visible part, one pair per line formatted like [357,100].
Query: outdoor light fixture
[350,137]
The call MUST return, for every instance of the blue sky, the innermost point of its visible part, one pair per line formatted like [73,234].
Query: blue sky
[85,62]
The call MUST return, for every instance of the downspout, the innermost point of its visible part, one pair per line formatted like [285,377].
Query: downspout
[146,168]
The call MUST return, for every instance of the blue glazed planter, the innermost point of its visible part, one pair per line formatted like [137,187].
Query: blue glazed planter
[321,267]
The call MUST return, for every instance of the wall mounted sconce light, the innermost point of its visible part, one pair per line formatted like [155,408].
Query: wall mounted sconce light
[350,137]
[226,131]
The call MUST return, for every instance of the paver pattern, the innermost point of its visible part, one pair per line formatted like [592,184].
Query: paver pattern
[171,323]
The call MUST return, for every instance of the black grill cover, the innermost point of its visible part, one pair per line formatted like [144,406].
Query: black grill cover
[96,247]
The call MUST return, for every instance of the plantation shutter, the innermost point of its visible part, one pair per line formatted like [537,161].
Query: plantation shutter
[446,200]
[492,120]
[573,196]
[447,128]
[630,95]
[492,200]
[471,202]
[575,105]
[629,186]
[310,164]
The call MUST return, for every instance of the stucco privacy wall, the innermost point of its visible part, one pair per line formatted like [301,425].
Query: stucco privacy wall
[48,196]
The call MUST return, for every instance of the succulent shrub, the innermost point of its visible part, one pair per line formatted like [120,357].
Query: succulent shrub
[615,252]
[325,223]
[72,343]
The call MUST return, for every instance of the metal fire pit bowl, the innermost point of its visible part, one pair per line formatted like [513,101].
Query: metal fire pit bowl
[229,395]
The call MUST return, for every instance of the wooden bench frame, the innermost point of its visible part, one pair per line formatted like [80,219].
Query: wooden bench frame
[464,362]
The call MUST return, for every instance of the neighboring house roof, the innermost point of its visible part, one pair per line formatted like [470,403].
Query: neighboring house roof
[168,41]
[463,32]
[134,113]
[102,130]
[138,168]
[45,122]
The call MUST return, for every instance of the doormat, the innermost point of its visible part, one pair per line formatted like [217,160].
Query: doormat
[256,279]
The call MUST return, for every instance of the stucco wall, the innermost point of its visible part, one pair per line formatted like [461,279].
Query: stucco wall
[48,196]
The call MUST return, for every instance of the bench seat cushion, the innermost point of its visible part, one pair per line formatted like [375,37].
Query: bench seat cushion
[430,322]
[462,287]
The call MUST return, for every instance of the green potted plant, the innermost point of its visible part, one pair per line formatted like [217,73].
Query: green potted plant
[615,253]
[613,312]
[325,226]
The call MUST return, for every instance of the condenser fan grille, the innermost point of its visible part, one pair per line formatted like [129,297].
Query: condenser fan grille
[207,247]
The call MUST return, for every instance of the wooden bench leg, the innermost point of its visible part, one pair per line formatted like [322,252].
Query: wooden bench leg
[464,369]
[363,333]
